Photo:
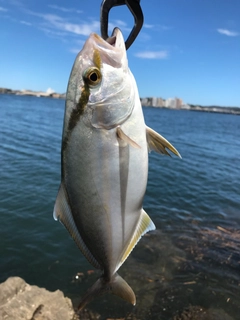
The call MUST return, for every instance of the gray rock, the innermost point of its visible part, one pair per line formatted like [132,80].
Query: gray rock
[21,301]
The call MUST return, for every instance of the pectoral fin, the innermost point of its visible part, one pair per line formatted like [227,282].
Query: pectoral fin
[158,143]
[121,135]
[62,212]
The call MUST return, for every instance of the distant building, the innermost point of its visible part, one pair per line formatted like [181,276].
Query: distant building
[158,102]
[179,103]
[172,103]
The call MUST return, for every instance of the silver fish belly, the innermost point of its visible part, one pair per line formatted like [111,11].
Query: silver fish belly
[105,148]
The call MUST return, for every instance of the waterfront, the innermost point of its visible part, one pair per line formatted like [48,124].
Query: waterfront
[193,256]
[171,103]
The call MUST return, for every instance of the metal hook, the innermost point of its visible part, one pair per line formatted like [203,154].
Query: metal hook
[134,7]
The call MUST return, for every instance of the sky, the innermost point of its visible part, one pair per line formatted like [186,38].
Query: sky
[187,48]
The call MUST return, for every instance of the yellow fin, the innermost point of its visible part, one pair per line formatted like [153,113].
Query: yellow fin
[62,212]
[159,144]
[121,135]
[145,224]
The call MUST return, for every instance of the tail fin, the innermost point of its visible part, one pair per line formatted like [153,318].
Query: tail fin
[117,285]
[120,288]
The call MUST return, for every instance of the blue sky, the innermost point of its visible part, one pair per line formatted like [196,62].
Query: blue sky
[186,48]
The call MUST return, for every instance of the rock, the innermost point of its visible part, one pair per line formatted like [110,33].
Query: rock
[21,301]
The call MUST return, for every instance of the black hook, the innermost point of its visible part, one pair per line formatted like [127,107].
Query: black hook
[134,7]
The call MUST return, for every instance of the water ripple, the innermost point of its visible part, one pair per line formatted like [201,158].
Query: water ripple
[187,199]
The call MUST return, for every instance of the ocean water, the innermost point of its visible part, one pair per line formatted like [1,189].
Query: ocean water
[192,259]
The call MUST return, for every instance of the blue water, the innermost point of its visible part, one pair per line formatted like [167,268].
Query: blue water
[192,259]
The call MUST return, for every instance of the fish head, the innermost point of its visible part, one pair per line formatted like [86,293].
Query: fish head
[101,86]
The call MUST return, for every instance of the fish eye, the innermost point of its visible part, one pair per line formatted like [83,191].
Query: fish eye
[92,76]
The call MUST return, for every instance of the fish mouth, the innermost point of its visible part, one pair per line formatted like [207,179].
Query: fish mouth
[112,50]
[116,40]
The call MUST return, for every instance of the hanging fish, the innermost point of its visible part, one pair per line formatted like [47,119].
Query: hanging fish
[105,146]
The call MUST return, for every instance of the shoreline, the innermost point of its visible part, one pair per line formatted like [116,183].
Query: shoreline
[209,109]
[33,93]
[146,102]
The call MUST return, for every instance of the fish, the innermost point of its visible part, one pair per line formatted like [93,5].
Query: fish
[104,162]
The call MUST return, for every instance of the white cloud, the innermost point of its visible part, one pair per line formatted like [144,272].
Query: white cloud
[63,9]
[143,36]
[157,27]
[162,27]
[152,54]
[118,23]
[53,33]
[55,23]
[26,23]
[228,32]
[75,50]
[59,23]
[3,9]
[148,26]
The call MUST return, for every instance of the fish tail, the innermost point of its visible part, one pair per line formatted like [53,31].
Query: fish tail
[120,288]
[117,286]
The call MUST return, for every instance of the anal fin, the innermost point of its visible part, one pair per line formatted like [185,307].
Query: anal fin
[62,212]
[144,225]
[158,143]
